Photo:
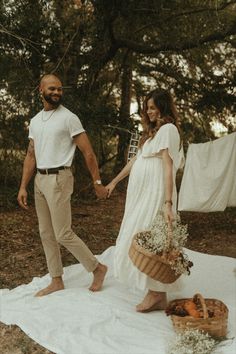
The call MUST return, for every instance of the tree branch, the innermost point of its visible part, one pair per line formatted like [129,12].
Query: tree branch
[187,13]
[65,52]
[187,45]
[21,39]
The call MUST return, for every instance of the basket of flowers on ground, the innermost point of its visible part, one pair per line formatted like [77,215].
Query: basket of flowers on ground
[207,315]
[158,252]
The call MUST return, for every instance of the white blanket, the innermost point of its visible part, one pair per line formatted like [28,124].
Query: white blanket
[76,321]
[209,179]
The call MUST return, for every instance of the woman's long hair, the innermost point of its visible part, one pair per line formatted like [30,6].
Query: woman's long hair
[168,113]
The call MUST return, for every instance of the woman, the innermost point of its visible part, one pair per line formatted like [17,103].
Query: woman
[151,188]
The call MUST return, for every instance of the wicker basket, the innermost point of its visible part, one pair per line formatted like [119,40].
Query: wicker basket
[156,267]
[216,326]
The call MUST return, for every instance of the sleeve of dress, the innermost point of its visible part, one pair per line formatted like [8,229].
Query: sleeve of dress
[168,138]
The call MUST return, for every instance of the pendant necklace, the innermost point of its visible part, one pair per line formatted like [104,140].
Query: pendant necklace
[45,120]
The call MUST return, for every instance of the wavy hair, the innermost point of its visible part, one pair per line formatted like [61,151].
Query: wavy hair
[168,113]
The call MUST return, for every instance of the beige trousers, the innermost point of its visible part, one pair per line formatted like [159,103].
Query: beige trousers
[53,207]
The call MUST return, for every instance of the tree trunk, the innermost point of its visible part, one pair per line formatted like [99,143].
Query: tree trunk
[124,117]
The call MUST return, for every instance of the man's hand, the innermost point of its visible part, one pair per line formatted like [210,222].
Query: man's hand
[28,171]
[101,191]
[22,198]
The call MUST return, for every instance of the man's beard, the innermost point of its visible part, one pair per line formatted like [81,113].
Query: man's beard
[49,99]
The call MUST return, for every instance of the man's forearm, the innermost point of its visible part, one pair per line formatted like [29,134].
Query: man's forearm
[92,165]
[28,171]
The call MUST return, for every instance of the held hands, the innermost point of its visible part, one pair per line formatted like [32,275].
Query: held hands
[104,192]
[22,198]
[101,191]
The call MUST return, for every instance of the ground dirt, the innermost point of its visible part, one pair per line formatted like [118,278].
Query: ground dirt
[97,223]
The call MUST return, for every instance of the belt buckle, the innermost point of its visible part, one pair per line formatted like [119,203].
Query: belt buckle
[46,170]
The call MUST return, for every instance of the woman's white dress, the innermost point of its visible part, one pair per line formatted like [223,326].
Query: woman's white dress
[145,196]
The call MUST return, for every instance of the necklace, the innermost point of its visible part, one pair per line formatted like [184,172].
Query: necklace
[45,120]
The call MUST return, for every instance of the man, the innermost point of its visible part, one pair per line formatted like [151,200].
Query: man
[54,134]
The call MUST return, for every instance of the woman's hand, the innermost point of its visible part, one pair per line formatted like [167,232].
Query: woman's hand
[110,187]
[168,213]
[123,173]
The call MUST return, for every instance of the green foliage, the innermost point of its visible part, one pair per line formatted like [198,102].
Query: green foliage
[110,52]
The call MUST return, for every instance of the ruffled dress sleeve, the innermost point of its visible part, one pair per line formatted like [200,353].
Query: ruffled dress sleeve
[167,137]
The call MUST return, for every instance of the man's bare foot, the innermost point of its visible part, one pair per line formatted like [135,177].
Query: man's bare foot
[98,277]
[153,301]
[56,285]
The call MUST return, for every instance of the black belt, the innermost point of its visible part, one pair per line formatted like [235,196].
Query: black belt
[51,171]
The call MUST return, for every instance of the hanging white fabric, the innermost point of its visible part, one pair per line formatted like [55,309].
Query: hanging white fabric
[209,179]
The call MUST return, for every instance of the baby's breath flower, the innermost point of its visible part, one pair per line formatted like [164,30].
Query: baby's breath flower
[193,342]
[156,241]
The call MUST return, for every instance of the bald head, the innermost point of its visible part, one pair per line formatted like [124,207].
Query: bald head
[49,79]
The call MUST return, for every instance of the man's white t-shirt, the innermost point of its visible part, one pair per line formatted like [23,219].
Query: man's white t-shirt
[52,132]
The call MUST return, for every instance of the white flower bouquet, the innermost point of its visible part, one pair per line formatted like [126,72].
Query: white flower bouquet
[193,342]
[158,252]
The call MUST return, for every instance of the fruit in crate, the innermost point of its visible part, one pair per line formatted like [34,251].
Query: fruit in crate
[191,309]
[176,310]
[187,308]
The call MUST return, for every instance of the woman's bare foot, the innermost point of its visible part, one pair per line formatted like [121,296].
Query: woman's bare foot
[153,301]
[56,285]
[99,275]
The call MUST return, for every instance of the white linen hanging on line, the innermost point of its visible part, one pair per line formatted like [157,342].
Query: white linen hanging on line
[209,179]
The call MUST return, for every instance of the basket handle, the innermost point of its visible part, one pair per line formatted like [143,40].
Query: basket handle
[203,304]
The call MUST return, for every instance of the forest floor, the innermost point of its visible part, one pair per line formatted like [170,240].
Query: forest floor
[97,223]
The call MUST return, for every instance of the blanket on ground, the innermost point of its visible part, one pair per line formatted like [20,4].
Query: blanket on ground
[76,321]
